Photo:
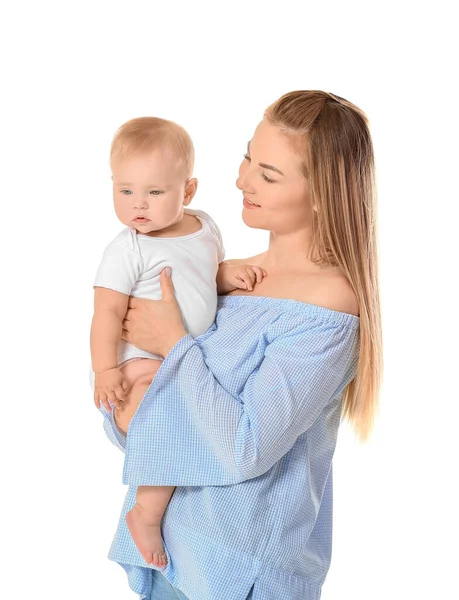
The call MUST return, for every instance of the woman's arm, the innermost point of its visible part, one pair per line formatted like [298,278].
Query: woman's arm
[190,431]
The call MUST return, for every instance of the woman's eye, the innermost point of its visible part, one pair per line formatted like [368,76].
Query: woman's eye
[267,178]
[247,157]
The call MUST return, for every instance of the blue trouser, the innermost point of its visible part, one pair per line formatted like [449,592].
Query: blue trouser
[163,590]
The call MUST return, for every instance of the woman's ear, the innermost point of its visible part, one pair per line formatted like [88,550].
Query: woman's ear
[190,190]
[314,203]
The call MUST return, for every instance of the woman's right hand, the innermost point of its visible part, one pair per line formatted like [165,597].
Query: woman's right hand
[154,325]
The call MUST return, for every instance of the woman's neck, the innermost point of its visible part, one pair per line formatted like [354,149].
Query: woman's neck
[290,251]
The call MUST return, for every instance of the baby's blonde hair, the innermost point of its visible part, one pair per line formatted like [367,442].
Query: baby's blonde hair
[146,134]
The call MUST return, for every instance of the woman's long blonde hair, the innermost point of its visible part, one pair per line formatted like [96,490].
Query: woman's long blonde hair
[333,136]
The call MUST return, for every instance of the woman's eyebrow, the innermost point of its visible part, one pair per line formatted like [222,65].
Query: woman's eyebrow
[264,165]
[270,167]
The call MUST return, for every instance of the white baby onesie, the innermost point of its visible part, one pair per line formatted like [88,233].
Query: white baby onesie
[132,264]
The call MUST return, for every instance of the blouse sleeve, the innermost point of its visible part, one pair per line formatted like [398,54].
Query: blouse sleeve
[113,433]
[189,431]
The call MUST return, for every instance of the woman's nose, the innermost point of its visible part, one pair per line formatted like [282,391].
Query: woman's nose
[243,181]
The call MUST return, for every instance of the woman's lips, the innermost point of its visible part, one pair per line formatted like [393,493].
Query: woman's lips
[248,205]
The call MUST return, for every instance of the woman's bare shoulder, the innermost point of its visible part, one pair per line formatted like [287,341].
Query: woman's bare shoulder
[329,288]
[334,292]
[254,260]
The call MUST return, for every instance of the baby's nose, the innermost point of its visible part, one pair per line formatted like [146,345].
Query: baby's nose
[141,202]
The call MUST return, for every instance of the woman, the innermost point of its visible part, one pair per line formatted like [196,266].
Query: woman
[244,419]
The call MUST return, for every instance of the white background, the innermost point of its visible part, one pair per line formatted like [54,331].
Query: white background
[72,72]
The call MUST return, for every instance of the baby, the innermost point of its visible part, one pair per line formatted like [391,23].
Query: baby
[152,165]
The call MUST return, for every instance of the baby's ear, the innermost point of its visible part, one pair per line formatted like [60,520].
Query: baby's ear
[190,190]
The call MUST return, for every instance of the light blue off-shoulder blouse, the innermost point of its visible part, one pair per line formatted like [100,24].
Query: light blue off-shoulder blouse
[244,420]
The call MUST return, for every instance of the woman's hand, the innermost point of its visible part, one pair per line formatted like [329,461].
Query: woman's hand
[154,325]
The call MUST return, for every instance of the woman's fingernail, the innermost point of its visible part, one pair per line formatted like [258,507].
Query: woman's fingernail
[168,271]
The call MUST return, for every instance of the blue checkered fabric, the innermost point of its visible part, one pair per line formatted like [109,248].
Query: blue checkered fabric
[244,420]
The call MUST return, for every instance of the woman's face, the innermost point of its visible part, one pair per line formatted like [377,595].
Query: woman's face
[275,191]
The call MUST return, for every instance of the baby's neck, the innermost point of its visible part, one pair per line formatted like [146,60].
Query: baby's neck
[187,225]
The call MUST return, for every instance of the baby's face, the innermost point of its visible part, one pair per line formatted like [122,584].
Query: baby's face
[149,191]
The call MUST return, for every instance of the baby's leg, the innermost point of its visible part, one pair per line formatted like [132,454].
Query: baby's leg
[139,374]
[144,522]
[144,519]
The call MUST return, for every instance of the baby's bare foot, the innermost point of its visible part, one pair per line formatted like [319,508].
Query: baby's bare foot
[146,533]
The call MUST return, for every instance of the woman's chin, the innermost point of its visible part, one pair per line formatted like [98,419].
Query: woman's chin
[252,221]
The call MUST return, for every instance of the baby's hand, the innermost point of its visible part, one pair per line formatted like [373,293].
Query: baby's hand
[244,277]
[110,386]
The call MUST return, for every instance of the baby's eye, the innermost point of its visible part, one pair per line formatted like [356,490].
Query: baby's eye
[156,192]
[126,192]
[247,157]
